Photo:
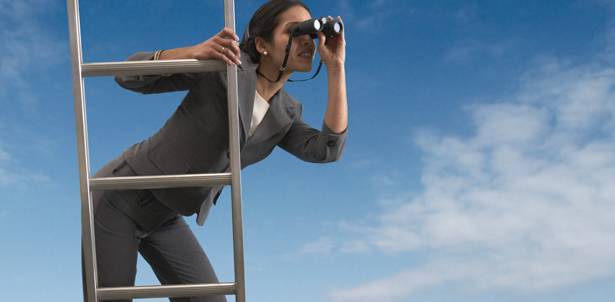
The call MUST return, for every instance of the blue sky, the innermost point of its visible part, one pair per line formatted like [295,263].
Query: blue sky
[479,163]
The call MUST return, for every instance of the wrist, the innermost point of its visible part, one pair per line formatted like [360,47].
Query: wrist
[176,53]
[335,67]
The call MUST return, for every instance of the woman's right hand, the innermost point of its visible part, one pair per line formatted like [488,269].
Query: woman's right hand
[223,46]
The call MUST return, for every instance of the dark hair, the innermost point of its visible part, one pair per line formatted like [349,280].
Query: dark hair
[263,23]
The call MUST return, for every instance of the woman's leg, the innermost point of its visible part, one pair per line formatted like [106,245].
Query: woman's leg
[177,258]
[116,247]
[116,237]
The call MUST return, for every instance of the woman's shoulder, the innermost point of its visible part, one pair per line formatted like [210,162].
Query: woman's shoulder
[287,98]
[292,104]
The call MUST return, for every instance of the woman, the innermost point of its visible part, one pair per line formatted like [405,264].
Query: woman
[195,140]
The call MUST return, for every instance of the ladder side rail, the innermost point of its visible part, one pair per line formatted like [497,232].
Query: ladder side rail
[87,230]
[233,112]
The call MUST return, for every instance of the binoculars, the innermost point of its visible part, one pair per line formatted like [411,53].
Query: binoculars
[313,26]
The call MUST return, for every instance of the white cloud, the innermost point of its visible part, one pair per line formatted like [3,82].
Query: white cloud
[13,175]
[320,246]
[525,203]
[469,50]
[390,289]
[20,179]
[384,179]
[27,47]
[370,20]
[4,156]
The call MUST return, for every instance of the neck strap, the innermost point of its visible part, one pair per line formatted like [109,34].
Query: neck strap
[285,65]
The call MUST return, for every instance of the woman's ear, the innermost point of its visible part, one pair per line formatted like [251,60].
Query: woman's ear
[260,45]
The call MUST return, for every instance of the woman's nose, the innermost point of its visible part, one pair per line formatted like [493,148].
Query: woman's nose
[305,40]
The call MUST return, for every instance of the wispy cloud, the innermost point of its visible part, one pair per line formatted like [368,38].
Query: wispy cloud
[469,50]
[524,203]
[392,288]
[321,246]
[27,47]
[372,16]
[363,162]
[11,174]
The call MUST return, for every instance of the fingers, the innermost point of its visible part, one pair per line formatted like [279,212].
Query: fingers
[230,44]
[322,39]
[220,55]
[226,54]
[228,33]
[341,38]
[338,38]
[341,34]
[227,46]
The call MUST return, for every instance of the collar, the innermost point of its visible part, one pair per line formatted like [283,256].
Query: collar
[280,112]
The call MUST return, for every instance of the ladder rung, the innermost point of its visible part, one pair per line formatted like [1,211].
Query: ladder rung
[163,291]
[160,181]
[150,67]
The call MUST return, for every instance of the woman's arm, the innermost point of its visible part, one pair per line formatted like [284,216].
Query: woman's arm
[222,46]
[313,145]
[333,53]
[155,83]
[336,116]
[327,145]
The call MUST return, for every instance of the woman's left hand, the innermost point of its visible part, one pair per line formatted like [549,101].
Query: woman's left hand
[332,50]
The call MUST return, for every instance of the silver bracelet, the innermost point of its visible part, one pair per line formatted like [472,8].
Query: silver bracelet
[157,55]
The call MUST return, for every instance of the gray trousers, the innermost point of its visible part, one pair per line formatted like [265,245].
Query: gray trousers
[128,222]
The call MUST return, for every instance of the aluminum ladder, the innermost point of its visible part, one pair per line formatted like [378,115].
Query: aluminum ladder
[88,184]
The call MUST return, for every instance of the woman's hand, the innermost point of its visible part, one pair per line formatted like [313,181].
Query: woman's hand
[333,50]
[223,46]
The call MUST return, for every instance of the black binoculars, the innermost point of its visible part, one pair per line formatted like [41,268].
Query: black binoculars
[313,26]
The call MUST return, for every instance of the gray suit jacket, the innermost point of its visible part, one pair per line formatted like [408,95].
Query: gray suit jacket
[195,138]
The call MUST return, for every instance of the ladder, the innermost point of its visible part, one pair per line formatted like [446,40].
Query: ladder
[88,184]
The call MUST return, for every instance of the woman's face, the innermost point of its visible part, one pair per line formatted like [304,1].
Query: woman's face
[277,47]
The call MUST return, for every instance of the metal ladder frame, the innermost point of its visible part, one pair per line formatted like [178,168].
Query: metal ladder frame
[88,184]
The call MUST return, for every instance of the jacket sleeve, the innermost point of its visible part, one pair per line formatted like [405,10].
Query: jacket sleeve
[311,145]
[156,83]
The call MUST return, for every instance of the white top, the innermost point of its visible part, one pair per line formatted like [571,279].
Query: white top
[260,108]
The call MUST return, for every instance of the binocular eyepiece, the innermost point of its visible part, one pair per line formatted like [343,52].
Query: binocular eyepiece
[313,26]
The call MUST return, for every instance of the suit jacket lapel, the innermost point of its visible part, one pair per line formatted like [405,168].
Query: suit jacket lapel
[276,118]
[278,114]
[246,80]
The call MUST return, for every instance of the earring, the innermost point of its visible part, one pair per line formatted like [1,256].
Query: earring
[265,52]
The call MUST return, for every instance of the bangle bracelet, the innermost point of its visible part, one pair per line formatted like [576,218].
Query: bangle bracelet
[157,55]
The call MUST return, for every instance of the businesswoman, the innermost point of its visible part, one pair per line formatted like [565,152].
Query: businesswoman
[195,140]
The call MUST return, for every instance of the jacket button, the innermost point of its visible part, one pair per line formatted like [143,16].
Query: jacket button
[331,143]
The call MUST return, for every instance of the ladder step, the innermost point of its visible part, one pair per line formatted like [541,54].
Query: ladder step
[163,291]
[150,67]
[160,181]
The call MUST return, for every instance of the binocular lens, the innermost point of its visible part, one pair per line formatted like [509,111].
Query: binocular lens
[308,27]
[312,26]
[332,28]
